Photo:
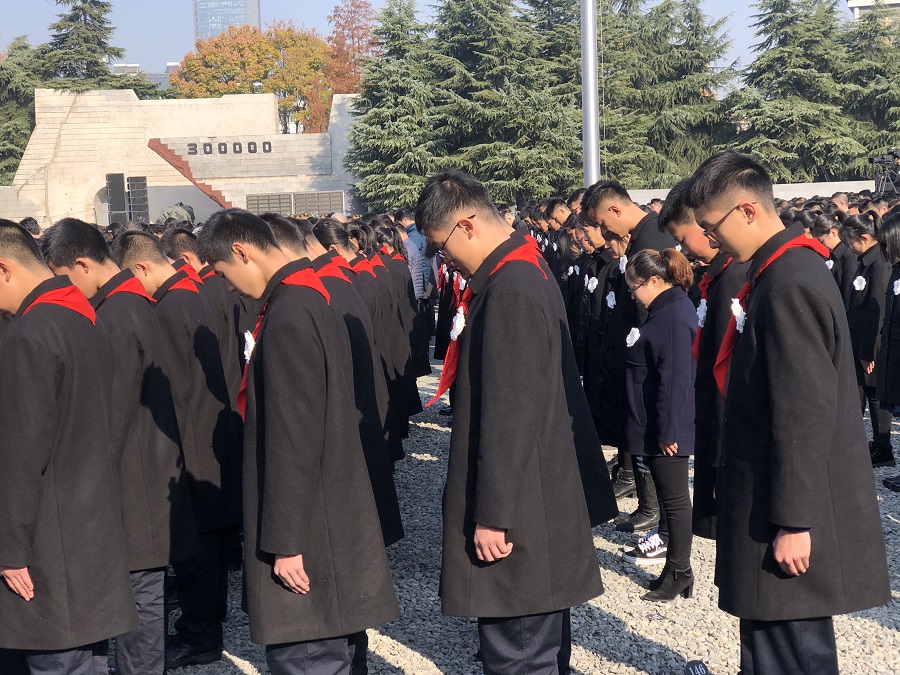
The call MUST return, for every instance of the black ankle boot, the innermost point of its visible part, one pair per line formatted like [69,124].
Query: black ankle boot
[671,584]
[624,485]
[882,454]
[647,515]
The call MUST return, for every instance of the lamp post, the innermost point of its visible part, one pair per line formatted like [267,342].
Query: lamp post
[590,107]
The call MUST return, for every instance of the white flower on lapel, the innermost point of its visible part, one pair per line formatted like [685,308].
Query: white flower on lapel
[555,247]
[829,264]
[459,322]
[577,269]
[701,314]
[249,345]
[859,283]
[897,287]
[591,284]
[739,314]
[623,262]
[678,247]
[570,271]
[462,284]
[611,299]
[633,337]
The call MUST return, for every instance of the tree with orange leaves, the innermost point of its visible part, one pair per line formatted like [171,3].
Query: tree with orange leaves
[351,23]
[284,60]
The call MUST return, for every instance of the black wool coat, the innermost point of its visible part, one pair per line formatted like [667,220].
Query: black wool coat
[659,377]
[606,394]
[843,268]
[229,310]
[446,310]
[370,394]
[727,281]
[887,366]
[306,487]
[795,452]
[210,434]
[156,503]
[407,310]
[529,464]
[60,515]
[865,310]
[592,306]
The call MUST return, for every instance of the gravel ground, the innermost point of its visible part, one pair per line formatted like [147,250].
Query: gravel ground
[615,633]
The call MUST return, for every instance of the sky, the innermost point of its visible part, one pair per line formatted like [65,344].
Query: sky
[154,32]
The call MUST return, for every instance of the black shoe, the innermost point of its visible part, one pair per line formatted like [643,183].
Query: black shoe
[881,455]
[446,411]
[179,654]
[672,583]
[892,483]
[624,485]
[638,522]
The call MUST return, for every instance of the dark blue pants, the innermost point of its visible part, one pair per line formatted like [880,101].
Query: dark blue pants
[524,645]
[803,647]
[332,656]
[143,650]
[86,660]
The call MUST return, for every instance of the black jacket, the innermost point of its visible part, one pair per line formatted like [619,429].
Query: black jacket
[60,515]
[843,268]
[795,452]
[659,377]
[514,459]
[887,366]
[306,487]
[865,311]
[156,504]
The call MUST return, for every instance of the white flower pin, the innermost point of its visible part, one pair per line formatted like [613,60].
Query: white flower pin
[249,345]
[739,314]
[859,283]
[611,300]
[570,271]
[829,264]
[623,262]
[591,285]
[462,284]
[459,322]
[577,269]
[701,314]
[633,337]
[555,246]
[897,287]
[678,247]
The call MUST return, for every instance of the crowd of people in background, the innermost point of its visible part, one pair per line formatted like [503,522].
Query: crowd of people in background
[235,394]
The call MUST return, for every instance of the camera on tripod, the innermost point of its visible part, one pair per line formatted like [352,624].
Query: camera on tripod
[887,169]
[887,160]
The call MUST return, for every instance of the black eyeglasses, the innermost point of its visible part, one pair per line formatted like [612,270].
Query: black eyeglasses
[709,233]
[632,291]
[440,251]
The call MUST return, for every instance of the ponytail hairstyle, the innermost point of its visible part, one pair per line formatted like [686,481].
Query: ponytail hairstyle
[824,224]
[854,227]
[806,218]
[330,233]
[388,234]
[369,241]
[670,266]
[889,237]
[362,239]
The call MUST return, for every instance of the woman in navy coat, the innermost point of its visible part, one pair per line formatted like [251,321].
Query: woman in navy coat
[659,402]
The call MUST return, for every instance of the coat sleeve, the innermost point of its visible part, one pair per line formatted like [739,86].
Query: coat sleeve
[294,395]
[799,343]
[674,363]
[514,357]
[29,400]
[877,288]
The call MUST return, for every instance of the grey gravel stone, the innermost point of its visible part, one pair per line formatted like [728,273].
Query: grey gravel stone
[614,634]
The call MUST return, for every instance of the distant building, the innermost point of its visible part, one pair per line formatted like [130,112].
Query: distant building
[213,17]
[860,7]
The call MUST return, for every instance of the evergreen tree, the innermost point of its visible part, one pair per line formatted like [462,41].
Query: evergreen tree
[18,79]
[790,113]
[873,73]
[393,147]
[557,35]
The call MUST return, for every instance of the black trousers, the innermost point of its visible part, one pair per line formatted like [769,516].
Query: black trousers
[804,647]
[670,475]
[143,650]
[318,657]
[84,660]
[359,646]
[881,419]
[523,645]
[203,591]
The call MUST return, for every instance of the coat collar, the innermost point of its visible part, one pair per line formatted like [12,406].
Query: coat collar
[281,275]
[51,284]
[665,299]
[168,283]
[483,273]
[717,263]
[639,228]
[870,256]
[107,288]
[767,250]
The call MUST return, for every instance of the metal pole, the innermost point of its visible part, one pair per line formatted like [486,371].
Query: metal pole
[590,107]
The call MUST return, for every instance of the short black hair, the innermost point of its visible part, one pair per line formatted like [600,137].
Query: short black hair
[132,247]
[177,241]
[889,237]
[447,192]
[228,227]
[17,243]
[403,214]
[726,172]
[31,226]
[305,225]
[674,210]
[70,239]
[602,190]
[286,232]
[552,205]
[575,196]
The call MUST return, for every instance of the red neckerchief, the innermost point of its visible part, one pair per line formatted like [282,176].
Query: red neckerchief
[341,262]
[441,279]
[190,271]
[207,275]
[70,298]
[524,253]
[132,285]
[305,277]
[330,269]
[184,284]
[723,360]
[704,285]
[531,240]
[397,256]
[384,249]
[375,261]
[363,265]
